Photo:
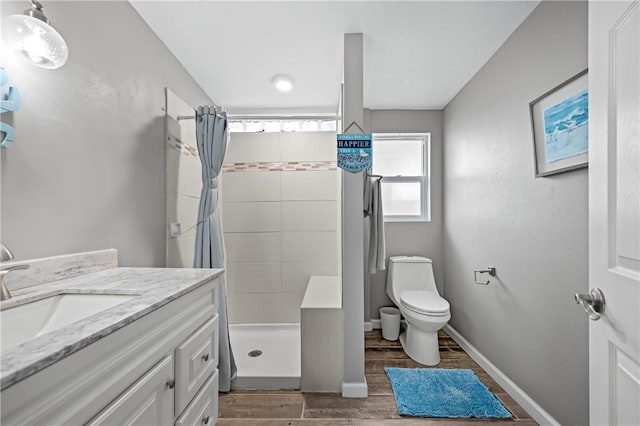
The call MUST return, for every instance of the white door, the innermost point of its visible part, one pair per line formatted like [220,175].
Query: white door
[614,210]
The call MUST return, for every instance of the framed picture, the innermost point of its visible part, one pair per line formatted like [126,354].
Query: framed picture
[559,120]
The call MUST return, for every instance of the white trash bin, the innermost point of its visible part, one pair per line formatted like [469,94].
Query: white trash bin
[390,321]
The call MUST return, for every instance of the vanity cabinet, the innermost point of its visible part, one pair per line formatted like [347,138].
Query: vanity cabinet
[160,369]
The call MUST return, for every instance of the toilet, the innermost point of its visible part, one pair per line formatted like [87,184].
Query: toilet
[412,287]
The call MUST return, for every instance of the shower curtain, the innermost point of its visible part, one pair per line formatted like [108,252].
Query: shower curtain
[211,136]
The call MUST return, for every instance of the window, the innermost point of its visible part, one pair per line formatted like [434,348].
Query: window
[282,125]
[403,161]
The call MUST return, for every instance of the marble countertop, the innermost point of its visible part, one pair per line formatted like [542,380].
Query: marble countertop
[154,287]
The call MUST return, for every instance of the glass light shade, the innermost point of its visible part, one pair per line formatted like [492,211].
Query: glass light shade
[37,41]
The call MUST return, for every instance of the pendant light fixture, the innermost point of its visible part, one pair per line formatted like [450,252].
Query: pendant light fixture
[31,35]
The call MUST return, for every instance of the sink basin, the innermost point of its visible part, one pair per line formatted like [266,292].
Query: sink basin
[29,320]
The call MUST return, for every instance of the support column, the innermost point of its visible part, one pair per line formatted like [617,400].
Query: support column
[354,384]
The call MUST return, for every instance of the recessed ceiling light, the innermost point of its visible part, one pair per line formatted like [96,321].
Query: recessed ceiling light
[282,82]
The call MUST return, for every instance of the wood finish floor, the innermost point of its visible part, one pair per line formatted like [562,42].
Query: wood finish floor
[294,408]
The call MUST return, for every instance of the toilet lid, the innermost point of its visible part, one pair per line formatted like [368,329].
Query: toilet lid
[424,302]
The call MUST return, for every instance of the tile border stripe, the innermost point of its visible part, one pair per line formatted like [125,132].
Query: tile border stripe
[284,166]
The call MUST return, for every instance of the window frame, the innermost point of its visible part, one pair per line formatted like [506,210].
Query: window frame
[424,180]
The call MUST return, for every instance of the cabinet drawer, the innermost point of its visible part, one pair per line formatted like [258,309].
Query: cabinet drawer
[196,359]
[147,402]
[203,410]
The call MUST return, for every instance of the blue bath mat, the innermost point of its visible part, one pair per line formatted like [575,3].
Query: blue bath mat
[438,392]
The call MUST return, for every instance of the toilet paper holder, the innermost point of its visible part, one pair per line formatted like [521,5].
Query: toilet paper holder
[490,270]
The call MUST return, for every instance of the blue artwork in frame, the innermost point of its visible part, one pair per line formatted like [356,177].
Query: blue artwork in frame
[565,127]
[9,102]
[560,122]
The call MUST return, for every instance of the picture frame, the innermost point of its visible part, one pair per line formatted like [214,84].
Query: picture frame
[559,124]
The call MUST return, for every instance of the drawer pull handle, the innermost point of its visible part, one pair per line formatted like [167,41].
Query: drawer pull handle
[171,383]
[205,357]
[205,420]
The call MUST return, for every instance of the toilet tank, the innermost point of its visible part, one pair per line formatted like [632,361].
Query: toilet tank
[409,273]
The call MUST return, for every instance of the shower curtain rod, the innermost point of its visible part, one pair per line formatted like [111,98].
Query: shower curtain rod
[193,117]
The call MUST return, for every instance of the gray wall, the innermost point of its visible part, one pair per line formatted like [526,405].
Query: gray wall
[86,170]
[534,231]
[411,238]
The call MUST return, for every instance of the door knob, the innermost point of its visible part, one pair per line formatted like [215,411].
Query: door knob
[592,303]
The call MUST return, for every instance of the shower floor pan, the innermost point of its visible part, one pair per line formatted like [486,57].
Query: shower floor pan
[267,355]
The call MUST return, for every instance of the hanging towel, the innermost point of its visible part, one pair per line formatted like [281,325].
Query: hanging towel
[373,209]
[366,196]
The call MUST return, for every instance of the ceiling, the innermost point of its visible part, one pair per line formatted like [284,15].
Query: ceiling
[417,54]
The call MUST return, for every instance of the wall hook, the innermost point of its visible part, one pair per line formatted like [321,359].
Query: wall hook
[490,270]
[353,123]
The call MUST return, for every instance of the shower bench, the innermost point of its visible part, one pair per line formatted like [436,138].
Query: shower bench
[321,335]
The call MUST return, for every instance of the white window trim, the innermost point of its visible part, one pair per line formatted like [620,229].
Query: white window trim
[425,181]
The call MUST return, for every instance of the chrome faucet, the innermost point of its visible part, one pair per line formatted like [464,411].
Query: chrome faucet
[6,255]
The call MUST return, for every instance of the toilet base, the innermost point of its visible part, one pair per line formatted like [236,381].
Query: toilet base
[421,346]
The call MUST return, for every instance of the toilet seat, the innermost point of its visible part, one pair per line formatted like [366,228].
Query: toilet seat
[424,302]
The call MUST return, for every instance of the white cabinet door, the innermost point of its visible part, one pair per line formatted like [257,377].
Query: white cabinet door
[614,210]
[203,410]
[196,359]
[149,401]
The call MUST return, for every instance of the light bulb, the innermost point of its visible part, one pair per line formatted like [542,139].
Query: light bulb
[35,49]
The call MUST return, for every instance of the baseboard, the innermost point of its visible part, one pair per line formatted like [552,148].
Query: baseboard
[266,383]
[515,392]
[355,390]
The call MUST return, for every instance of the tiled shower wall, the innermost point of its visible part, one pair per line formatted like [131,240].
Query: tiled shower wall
[281,221]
